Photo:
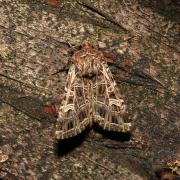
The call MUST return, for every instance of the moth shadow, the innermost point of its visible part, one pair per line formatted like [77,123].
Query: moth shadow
[65,146]
[117,136]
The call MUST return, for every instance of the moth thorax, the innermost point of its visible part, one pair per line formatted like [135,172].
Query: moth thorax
[88,69]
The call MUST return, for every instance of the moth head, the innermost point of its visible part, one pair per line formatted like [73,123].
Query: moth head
[86,54]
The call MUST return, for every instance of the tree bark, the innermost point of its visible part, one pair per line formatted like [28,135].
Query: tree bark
[140,40]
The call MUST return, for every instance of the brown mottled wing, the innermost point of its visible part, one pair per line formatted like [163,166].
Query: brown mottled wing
[108,104]
[73,113]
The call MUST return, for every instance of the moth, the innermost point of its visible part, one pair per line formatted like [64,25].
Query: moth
[91,96]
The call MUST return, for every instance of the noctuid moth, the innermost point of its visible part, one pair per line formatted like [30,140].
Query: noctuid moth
[91,96]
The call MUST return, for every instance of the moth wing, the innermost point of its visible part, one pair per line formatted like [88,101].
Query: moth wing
[73,113]
[109,106]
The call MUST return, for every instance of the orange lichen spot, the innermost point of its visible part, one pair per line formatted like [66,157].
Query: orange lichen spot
[49,110]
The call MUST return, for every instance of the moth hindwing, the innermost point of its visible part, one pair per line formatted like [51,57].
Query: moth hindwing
[91,96]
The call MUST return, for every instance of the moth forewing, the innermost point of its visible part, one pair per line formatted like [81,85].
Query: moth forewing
[111,112]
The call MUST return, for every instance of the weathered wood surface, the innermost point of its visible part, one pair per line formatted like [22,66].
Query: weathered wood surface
[140,39]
